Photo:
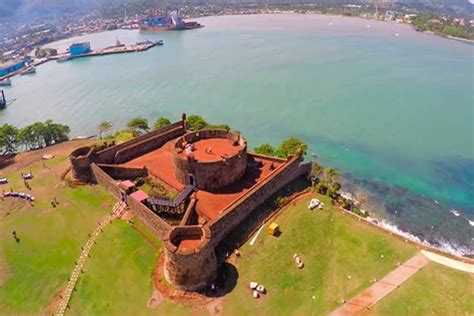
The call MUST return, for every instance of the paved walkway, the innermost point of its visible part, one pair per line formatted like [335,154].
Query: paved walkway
[383,287]
[117,211]
[455,264]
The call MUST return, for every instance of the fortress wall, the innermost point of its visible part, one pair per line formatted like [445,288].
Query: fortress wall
[271,158]
[151,220]
[190,269]
[158,226]
[123,173]
[241,208]
[144,146]
[193,137]
[107,155]
[212,174]
[106,181]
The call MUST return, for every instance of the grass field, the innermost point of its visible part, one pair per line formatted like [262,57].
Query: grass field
[332,245]
[436,290]
[117,278]
[33,270]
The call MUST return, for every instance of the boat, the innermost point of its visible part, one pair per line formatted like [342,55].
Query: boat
[148,42]
[169,22]
[5,82]
[63,59]
[28,71]
[3,104]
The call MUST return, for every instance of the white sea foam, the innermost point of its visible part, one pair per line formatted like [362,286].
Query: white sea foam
[442,245]
[454,212]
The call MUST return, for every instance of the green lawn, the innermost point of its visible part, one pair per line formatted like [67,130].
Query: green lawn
[117,278]
[35,269]
[332,246]
[436,290]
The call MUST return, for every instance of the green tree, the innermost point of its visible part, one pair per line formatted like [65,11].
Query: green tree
[39,134]
[196,122]
[219,126]
[456,31]
[138,124]
[104,127]
[8,139]
[32,136]
[53,133]
[332,178]
[265,149]
[316,171]
[161,122]
[292,146]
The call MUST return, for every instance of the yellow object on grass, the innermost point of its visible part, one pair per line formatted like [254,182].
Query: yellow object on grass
[273,229]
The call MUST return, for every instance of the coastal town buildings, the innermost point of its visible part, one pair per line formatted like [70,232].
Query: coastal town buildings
[80,48]
[11,66]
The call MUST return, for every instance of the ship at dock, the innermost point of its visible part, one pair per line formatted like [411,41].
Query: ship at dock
[172,21]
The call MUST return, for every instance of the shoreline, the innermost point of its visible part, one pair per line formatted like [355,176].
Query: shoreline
[38,62]
[460,39]
[393,230]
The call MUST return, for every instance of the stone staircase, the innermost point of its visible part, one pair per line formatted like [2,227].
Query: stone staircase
[117,211]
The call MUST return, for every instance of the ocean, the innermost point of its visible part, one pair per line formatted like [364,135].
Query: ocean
[390,108]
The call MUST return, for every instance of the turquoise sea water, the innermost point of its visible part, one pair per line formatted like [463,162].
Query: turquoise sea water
[395,113]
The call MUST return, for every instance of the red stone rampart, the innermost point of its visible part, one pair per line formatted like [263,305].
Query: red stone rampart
[106,181]
[80,162]
[190,268]
[144,146]
[158,226]
[108,155]
[193,137]
[123,173]
[244,205]
[269,158]
[210,174]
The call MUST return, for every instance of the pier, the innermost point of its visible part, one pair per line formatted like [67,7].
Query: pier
[118,49]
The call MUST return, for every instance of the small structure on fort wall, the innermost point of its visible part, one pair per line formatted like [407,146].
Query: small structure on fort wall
[219,184]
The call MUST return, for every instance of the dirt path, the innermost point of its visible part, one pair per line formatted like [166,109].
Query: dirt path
[454,264]
[383,287]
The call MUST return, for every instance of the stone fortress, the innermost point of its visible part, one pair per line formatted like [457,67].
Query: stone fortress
[218,181]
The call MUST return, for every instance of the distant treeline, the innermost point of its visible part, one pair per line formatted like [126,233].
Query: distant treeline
[428,22]
[34,136]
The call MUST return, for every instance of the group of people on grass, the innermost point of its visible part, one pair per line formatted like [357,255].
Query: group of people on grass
[19,195]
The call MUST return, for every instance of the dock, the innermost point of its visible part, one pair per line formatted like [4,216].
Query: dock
[119,49]
[116,49]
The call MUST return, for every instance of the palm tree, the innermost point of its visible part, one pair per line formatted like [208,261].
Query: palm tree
[104,127]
